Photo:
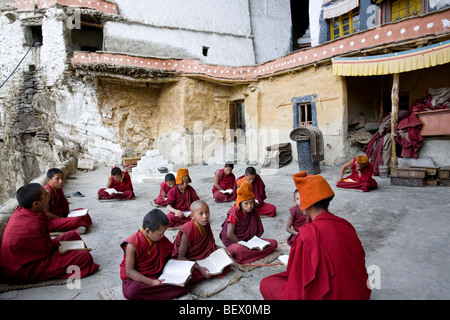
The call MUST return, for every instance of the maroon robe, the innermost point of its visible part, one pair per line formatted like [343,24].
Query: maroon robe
[125,186]
[298,220]
[59,206]
[225,182]
[364,183]
[151,256]
[160,200]
[326,262]
[259,190]
[180,201]
[201,245]
[28,254]
[247,226]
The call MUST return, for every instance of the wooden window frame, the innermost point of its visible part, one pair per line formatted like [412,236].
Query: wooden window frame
[351,23]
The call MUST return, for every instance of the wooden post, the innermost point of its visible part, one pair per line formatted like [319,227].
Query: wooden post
[394,120]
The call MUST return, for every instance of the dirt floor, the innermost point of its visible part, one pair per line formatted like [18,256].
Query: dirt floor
[404,231]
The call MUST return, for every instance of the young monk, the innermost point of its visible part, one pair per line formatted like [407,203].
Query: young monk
[168,183]
[296,219]
[58,207]
[241,224]
[259,190]
[121,182]
[145,254]
[27,253]
[224,179]
[327,260]
[180,198]
[361,176]
[195,241]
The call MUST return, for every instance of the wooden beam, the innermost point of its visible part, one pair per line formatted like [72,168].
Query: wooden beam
[394,120]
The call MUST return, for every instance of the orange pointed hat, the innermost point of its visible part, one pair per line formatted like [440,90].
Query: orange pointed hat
[362,160]
[182,173]
[312,189]
[244,192]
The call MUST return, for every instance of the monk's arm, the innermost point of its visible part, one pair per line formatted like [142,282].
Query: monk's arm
[108,184]
[182,256]
[177,212]
[344,166]
[230,233]
[216,180]
[132,273]
[163,193]
[289,226]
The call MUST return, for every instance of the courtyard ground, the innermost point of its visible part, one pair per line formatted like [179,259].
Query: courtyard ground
[404,231]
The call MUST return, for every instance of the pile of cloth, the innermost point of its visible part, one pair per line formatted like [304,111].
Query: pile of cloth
[432,99]
[277,155]
[312,134]
[378,150]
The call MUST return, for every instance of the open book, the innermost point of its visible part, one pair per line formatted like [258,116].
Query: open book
[112,190]
[177,272]
[284,258]
[255,243]
[216,261]
[77,213]
[72,245]
[228,191]
[186,213]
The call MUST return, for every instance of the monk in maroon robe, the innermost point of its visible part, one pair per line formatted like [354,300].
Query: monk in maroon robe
[58,208]
[243,223]
[224,180]
[169,183]
[361,176]
[121,182]
[180,198]
[327,260]
[259,190]
[296,219]
[145,254]
[27,253]
[195,241]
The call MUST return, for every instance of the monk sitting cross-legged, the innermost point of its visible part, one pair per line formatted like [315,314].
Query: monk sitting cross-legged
[242,223]
[326,260]
[145,255]
[259,191]
[58,207]
[28,253]
[224,181]
[195,241]
[120,181]
[180,198]
[361,176]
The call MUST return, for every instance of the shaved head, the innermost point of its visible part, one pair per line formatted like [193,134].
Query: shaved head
[197,205]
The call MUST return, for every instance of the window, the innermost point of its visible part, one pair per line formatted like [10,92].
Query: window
[304,114]
[405,8]
[344,25]
[304,108]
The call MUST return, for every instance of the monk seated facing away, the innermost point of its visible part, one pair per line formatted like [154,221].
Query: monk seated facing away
[28,253]
[242,224]
[327,260]
[119,186]
[361,176]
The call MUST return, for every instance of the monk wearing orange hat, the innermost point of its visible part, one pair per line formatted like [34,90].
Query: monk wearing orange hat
[180,198]
[243,223]
[361,176]
[327,260]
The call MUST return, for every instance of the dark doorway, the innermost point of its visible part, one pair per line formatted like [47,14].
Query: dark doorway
[300,24]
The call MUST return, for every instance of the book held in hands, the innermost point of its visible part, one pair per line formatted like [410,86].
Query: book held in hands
[177,272]
[72,245]
[216,261]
